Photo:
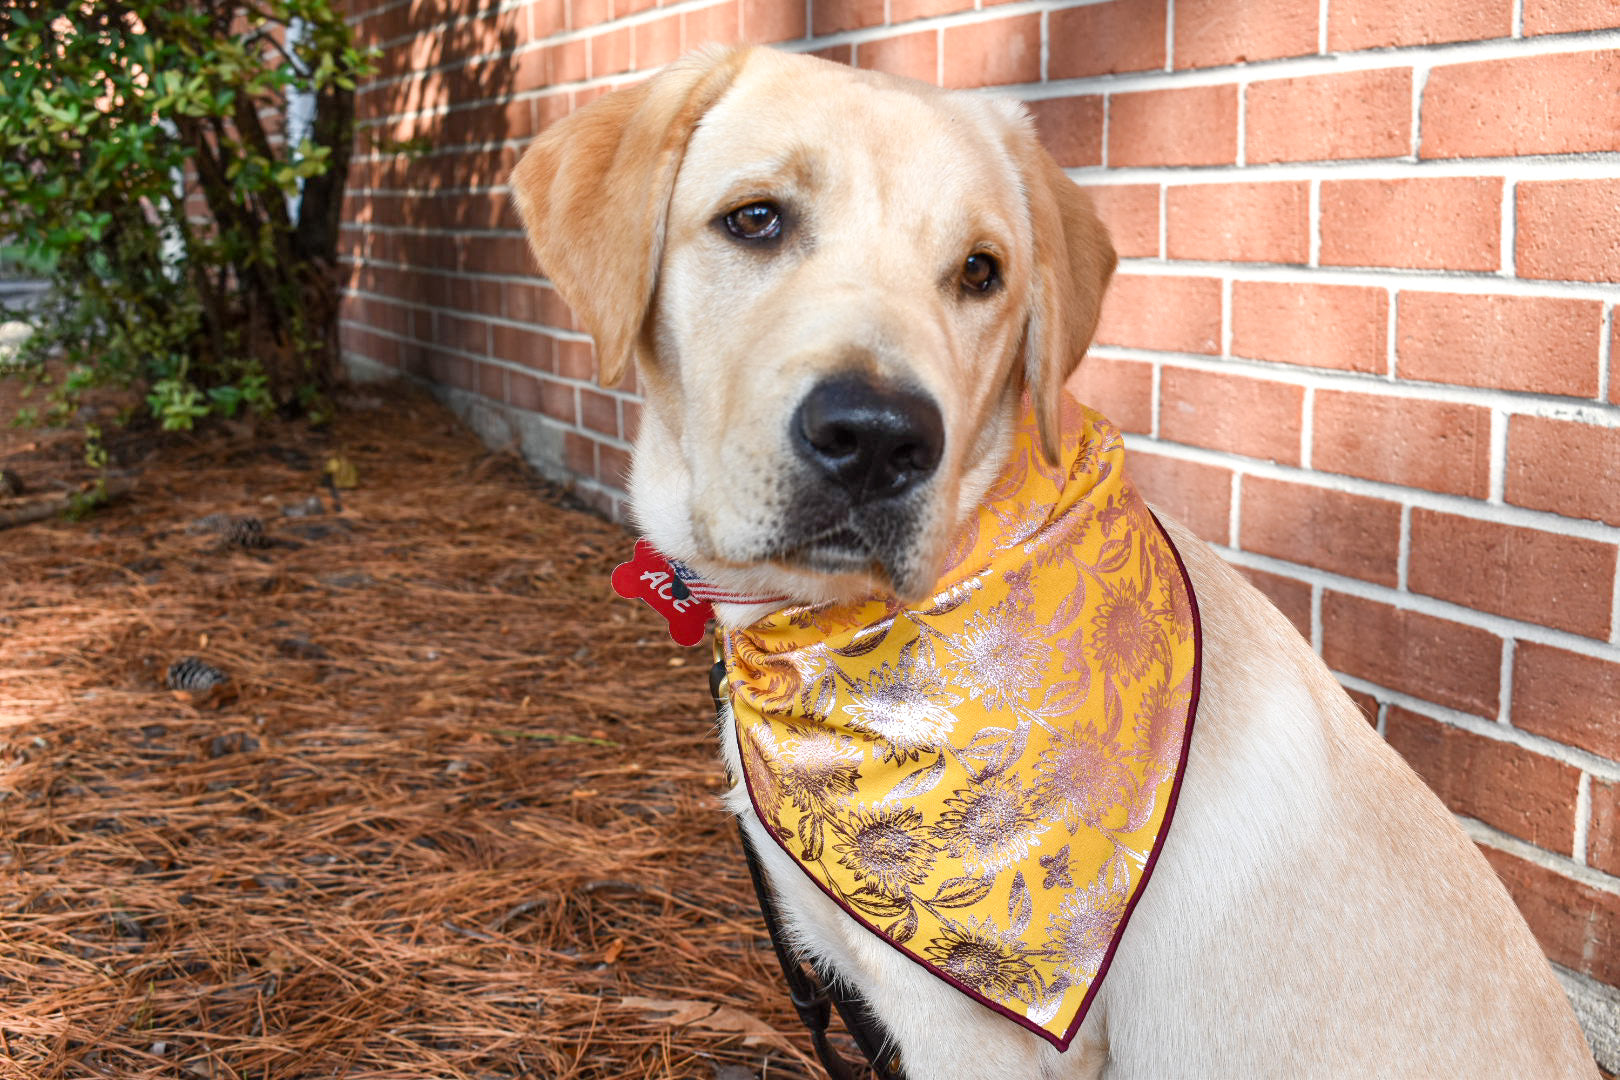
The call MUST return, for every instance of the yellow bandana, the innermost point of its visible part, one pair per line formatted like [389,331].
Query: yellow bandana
[985,780]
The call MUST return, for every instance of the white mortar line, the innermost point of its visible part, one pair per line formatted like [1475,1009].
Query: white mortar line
[1392,343]
[1046,43]
[1234,516]
[1504,698]
[1510,227]
[1316,617]
[1606,354]
[1313,212]
[1242,124]
[1518,18]
[1153,424]
[1614,611]
[1591,166]
[1489,729]
[1544,406]
[1322,27]
[1498,464]
[1170,35]
[1164,221]
[1383,718]
[1558,864]
[1420,82]
[1583,818]
[1428,605]
[1473,284]
[1403,549]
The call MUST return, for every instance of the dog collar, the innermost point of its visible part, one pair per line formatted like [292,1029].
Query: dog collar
[985,781]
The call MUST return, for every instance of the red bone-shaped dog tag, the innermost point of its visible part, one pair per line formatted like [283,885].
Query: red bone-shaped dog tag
[649,576]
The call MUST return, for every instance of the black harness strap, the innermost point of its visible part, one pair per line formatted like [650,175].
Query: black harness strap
[812,993]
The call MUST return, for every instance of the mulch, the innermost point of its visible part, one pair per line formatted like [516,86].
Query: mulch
[454,815]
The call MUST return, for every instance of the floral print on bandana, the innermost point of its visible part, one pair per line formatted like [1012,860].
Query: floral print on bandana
[984,780]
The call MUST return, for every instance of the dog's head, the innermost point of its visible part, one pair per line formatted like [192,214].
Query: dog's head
[835,286]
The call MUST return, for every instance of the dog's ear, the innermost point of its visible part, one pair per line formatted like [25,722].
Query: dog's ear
[1074,260]
[593,191]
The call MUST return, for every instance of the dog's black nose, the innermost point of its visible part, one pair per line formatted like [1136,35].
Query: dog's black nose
[875,442]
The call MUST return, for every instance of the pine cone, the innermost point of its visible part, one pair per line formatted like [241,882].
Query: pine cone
[196,683]
[245,532]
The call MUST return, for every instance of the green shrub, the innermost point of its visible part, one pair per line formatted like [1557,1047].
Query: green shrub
[112,114]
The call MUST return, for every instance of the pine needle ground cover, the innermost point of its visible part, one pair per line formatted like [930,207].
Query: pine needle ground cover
[456,817]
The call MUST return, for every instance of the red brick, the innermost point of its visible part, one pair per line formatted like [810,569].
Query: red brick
[1289,595]
[491,381]
[631,412]
[1566,229]
[905,10]
[1578,926]
[612,466]
[523,347]
[657,42]
[1566,16]
[1099,39]
[1530,574]
[1122,390]
[545,396]
[1435,659]
[1330,530]
[1563,466]
[1266,222]
[1445,223]
[1433,445]
[1131,213]
[1539,344]
[1558,104]
[1254,417]
[765,21]
[1071,128]
[1603,831]
[1214,32]
[1357,114]
[1199,496]
[1331,326]
[1366,703]
[721,23]
[831,16]
[994,53]
[1515,790]
[1175,314]
[1569,697]
[1379,24]
[575,360]
[599,412]
[584,14]
[915,56]
[579,454]
[1192,126]
[838,54]
[610,53]
[467,335]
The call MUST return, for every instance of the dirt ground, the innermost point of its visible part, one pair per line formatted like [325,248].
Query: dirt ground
[455,815]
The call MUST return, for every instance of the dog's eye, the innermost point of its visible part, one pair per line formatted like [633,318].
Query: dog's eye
[756,221]
[980,273]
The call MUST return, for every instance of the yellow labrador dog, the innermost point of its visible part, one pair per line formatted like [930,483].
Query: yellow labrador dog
[780,244]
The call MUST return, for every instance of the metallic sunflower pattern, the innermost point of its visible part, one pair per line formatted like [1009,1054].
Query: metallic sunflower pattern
[984,779]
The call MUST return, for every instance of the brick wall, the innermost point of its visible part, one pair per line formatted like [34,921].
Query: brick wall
[1363,332]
